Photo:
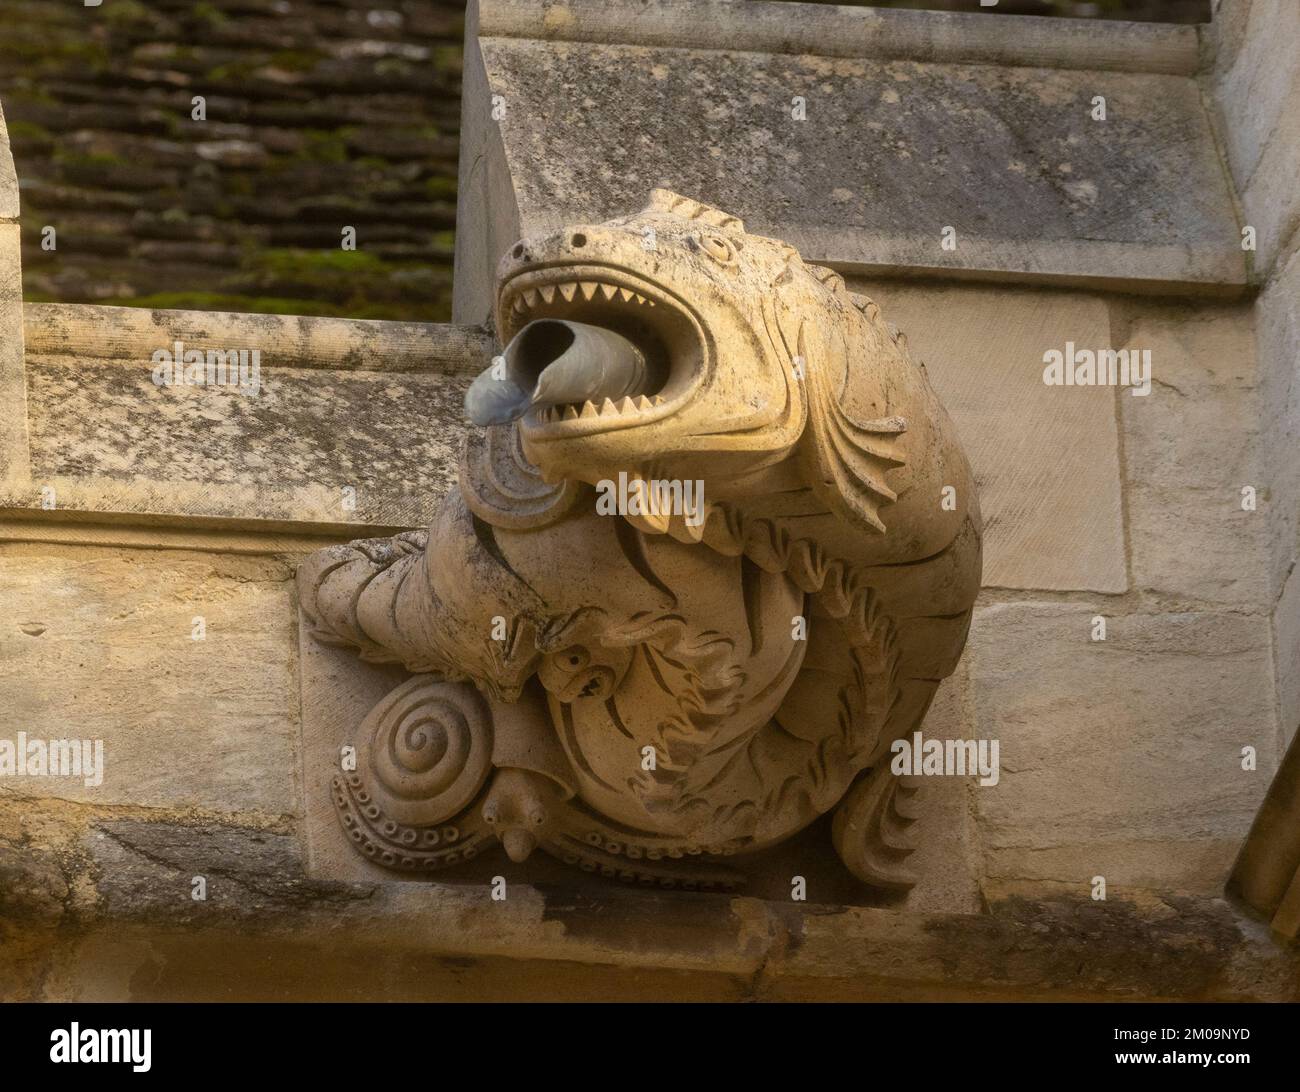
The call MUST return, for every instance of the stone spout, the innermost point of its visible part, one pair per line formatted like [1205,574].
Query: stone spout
[553,362]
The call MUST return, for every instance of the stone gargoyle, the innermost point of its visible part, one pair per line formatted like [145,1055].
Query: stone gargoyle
[699,573]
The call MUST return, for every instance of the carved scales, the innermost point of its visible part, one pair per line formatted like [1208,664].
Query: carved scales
[650,692]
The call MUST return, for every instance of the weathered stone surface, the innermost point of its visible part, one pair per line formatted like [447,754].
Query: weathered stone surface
[96,644]
[13,396]
[936,35]
[1286,637]
[1277,322]
[1256,81]
[411,943]
[1046,459]
[1190,447]
[305,445]
[891,151]
[948,858]
[8,176]
[1120,758]
[32,884]
[1067,947]
[146,870]
[312,446]
[284,341]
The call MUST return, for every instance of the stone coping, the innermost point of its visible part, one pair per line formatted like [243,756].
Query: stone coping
[354,425]
[829,31]
[285,341]
[901,144]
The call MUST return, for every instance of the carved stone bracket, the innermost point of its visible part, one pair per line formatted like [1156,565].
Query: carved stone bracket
[712,558]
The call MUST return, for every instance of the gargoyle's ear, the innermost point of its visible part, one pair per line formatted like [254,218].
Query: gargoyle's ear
[686,207]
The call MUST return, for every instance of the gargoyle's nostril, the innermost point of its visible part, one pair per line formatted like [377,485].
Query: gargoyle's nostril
[518,251]
[579,240]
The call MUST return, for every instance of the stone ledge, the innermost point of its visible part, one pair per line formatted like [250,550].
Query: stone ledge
[332,393]
[907,115]
[827,31]
[1051,948]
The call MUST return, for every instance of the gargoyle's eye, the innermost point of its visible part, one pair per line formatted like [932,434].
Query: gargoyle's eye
[718,248]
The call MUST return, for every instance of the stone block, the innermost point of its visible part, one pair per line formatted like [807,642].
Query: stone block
[1190,447]
[97,644]
[1120,758]
[1046,459]
[860,161]
[1277,322]
[312,442]
[8,176]
[1257,85]
[1286,638]
[947,857]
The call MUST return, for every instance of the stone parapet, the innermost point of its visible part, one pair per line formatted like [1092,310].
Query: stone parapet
[860,136]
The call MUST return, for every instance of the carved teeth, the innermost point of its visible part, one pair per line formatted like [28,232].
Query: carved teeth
[626,406]
[607,406]
[568,291]
[589,409]
[659,400]
[570,414]
[643,403]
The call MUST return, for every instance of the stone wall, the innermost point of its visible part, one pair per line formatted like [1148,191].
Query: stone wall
[1122,758]
[1255,79]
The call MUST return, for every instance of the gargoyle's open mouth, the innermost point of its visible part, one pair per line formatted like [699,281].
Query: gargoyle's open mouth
[595,348]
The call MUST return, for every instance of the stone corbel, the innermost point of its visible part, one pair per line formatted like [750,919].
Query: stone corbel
[713,548]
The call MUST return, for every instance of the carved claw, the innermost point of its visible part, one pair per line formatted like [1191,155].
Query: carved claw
[332,584]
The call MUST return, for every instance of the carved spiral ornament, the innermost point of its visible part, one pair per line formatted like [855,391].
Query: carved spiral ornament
[427,751]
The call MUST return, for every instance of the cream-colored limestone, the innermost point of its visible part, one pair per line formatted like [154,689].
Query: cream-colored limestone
[1046,459]
[1121,758]
[948,861]
[1286,639]
[1190,449]
[1277,321]
[13,395]
[98,644]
